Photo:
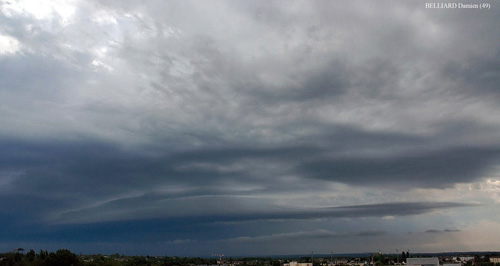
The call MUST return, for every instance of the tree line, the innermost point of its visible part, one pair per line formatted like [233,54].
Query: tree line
[64,257]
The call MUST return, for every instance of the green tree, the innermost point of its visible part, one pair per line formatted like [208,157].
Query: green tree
[138,261]
[30,256]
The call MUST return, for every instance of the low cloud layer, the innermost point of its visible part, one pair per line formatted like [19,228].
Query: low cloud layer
[434,231]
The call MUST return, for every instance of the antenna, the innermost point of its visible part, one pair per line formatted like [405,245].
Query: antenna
[220,257]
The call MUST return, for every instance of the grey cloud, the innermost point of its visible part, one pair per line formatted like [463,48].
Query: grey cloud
[91,182]
[317,234]
[82,167]
[434,231]
[427,169]
[479,75]
[216,208]
[371,233]
[127,182]
[330,83]
[405,208]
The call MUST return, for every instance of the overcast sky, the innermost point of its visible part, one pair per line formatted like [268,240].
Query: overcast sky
[248,127]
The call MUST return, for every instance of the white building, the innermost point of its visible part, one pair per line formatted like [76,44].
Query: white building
[495,259]
[294,263]
[465,259]
[434,261]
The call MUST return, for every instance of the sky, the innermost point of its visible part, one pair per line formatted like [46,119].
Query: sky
[250,128]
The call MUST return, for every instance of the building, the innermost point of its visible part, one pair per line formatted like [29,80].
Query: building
[434,261]
[495,259]
[465,258]
[294,263]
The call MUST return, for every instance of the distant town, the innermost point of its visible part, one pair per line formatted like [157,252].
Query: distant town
[64,257]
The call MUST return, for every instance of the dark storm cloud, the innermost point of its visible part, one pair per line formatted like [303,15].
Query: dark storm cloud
[97,169]
[427,169]
[205,208]
[175,227]
[407,208]
[52,180]
[373,210]
[64,176]
[56,176]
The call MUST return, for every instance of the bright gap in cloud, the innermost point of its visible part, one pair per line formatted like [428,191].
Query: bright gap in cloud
[8,45]
[100,64]
[41,9]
